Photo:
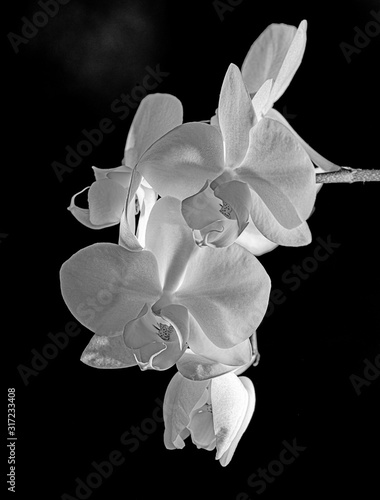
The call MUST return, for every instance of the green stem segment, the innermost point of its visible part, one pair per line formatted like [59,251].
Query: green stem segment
[349,175]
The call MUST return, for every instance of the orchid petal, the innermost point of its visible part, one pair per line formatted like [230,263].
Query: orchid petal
[236,116]
[171,241]
[127,238]
[196,367]
[156,115]
[105,286]
[148,199]
[227,292]
[266,55]
[280,171]
[254,241]
[276,200]
[276,55]
[202,429]
[255,356]
[205,398]
[83,214]
[120,174]
[229,400]
[254,361]
[108,352]
[200,344]
[315,157]
[290,64]
[122,178]
[180,162]
[131,216]
[201,424]
[106,199]
[261,98]
[202,438]
[145,183]
[266,222]
[214,121]
[102,173]
[180,398]
[225,458]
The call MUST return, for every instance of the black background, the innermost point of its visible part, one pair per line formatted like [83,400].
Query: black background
[69,415]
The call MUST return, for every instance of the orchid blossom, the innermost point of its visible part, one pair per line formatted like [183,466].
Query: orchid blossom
[169,296]
[185,288]
[215,413]
[244,175]
[267,71]
[156,115]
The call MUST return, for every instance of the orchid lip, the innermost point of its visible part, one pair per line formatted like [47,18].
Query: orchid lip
[155,334]
[148,365]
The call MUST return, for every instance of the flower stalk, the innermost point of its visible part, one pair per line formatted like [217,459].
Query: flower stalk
[348,175]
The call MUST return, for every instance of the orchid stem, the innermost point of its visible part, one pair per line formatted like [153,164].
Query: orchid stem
[349,175]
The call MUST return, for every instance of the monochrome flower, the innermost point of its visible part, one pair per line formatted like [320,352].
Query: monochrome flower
[156,115]
[267,71]
[214,413]
[169,295]
[244,176]
[184,288]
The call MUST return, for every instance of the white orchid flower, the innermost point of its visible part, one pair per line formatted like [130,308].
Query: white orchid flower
[263,181]
[268,69]
[169,295]
[214,413]
[156,115]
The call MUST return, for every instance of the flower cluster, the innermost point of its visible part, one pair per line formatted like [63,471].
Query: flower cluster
[196,203]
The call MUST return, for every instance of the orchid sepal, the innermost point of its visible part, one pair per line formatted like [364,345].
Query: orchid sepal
[107,353]
[83,214]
